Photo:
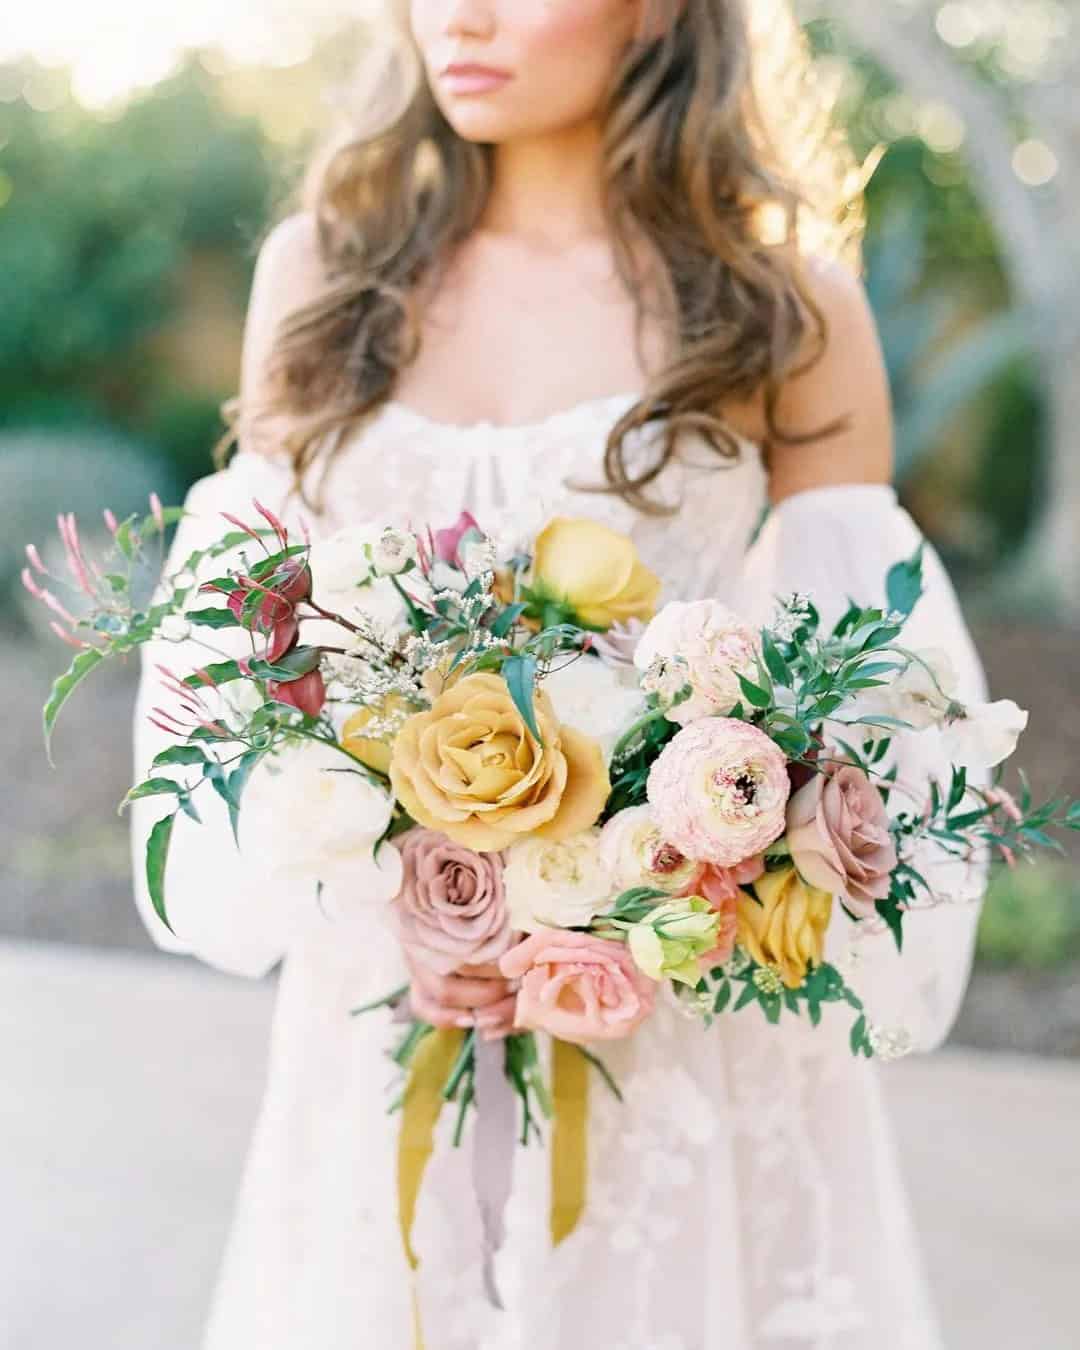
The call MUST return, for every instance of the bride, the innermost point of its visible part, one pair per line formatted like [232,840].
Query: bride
[595,256]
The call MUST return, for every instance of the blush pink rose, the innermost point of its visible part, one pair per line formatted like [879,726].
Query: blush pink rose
[577,987]
[451,909]
[838,834]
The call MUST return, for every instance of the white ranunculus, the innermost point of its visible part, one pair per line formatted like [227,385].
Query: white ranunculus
[344,580]
[636,853]
[556,884]
[984,733]
[311,816]
[591,696]
[707,643]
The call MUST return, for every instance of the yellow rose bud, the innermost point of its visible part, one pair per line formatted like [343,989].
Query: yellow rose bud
[375,751]
[470,767]
[595,570]
[787,928]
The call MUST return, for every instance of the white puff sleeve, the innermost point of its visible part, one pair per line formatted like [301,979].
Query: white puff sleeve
[838,542]
[222,906]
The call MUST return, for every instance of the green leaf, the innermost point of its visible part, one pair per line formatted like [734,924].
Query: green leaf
[212,618]
[63,686]
[892,911]
[903,584]
[220,672]
[237,782]
[774,662]
[748,995]
[180,754]
[754,694]
[157,852]
[519,672]
[152,787]
[723,997]
[506,620]
[858,1032]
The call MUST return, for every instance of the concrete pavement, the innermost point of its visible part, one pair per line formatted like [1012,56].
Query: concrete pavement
[129,1088]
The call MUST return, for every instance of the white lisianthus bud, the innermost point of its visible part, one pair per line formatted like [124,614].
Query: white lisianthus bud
[667,678]
[174,628]
[393,551]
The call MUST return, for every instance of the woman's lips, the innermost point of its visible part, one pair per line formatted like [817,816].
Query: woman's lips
[472,79]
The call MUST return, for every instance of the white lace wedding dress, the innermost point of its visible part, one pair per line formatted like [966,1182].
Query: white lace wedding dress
[746,1194]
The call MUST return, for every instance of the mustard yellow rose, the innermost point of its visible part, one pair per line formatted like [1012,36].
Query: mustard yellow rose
[787,929]
[470,767]
[374,751]
[595,570]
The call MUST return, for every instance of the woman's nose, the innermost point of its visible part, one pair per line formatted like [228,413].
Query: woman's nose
[469,18]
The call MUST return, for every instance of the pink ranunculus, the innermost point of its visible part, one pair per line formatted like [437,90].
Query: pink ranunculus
[838,834]
[718,791]
[451,910]
[578,987]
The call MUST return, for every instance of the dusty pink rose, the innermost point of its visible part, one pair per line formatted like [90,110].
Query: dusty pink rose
[577,987]
[838,834]
[451,909]
[718,791]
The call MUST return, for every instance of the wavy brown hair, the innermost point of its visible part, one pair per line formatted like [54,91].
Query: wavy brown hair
[719,149]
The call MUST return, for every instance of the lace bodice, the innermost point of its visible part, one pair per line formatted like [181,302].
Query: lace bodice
[405,467]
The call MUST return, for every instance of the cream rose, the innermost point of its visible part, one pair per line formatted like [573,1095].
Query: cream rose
[556,883]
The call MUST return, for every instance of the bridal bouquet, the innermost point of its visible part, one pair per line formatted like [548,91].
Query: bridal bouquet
[501,747]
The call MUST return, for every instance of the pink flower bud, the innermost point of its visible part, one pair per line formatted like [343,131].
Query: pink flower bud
[156,511]
[308,693]
[35,559]
[31,585]
[111,521]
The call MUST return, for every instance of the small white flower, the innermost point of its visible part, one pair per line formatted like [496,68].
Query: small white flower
[393,551]
[174,628]
[552,884]
[344,581]
[478,557]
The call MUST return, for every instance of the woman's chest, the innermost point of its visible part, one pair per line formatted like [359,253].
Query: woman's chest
[508,340]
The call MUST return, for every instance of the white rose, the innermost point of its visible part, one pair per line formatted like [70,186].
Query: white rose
[343,580]
[707,643]
[552,884]
[591,696]
[309,815]
[393,551]
[636,854]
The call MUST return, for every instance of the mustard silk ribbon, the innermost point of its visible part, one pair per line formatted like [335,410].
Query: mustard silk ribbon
[569,1154]
[431,1064]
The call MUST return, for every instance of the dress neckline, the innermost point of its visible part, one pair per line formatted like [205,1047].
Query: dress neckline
[406,414]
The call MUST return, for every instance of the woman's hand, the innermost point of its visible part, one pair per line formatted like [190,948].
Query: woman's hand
[473,996]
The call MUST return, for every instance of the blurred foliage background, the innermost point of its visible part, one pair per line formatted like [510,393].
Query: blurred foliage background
[130,212]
